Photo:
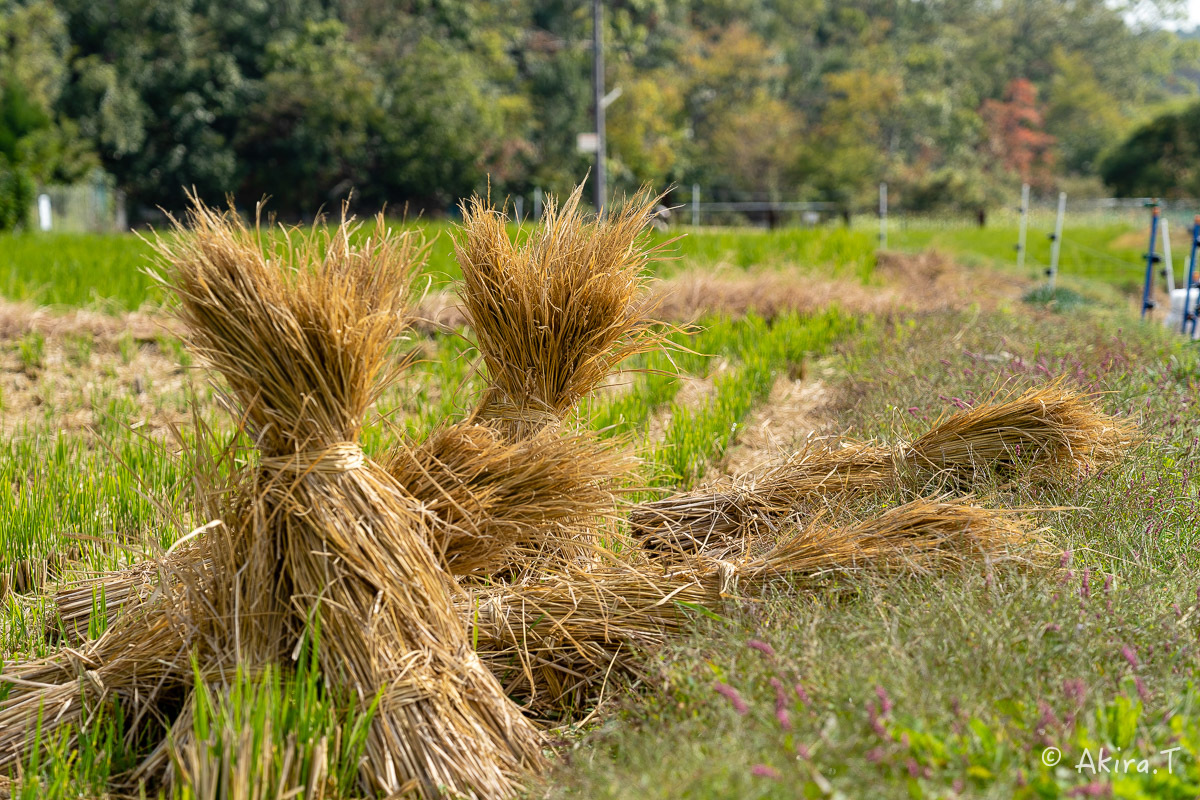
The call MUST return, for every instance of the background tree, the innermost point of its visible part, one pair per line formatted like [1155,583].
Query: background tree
[1015,135]
[1161,158]
[419,103]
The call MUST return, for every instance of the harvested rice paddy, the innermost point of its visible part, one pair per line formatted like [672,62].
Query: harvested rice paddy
[775,518]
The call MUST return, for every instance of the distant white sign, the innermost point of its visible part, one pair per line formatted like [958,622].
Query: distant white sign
[587,142]
[44,220]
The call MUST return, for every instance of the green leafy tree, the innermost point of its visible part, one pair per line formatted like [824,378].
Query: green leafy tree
[305,137]
[1161,158]
[1081,115]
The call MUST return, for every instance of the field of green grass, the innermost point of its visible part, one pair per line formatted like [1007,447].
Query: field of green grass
[109,272]
[944,686]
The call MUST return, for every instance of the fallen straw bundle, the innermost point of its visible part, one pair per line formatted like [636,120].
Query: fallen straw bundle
[1048,431]
[723,517]
[554,642]
[554,314]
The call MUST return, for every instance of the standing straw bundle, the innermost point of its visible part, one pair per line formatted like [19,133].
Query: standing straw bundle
[301,337]
[554,315]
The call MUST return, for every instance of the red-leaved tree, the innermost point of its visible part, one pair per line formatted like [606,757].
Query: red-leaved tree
[1015,135]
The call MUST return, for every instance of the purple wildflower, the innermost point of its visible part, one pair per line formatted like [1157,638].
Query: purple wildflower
[781,710]
[885,702]
[1130,655]
[760,646]
[731,694]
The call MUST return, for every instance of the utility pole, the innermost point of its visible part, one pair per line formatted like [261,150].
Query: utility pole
[598,95]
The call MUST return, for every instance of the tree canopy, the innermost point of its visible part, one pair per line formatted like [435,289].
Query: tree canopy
[424,101]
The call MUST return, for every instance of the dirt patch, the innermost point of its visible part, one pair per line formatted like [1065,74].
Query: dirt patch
[79,370]
[19,319]
[795,411]
[924,281]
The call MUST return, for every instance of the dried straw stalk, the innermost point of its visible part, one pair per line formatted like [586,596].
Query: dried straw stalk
[497,503]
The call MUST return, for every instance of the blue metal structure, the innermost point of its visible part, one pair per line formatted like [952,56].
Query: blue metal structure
[1189,314]
[1151,258]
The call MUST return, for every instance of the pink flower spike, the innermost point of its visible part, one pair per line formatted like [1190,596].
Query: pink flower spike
[802,751]
[781,711]
[731,694]
[765,771]
[761,647]
[1130,656]
[885,702]
[802,695]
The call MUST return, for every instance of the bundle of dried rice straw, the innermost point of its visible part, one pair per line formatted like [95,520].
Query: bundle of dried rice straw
[1046,432]
[554,642]
[496,503]
[301,333]
[555,313]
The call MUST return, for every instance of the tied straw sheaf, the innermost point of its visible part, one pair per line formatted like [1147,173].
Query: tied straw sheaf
[465,571]
[1044,433]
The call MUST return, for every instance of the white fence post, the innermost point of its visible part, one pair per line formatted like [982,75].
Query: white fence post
[1168,265]
[1058,233]
[45,217]
[1024,226]
[883,209]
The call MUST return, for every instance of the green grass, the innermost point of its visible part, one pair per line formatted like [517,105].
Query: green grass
[1112,253]
[761,352]
[955,685]
[109,271]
